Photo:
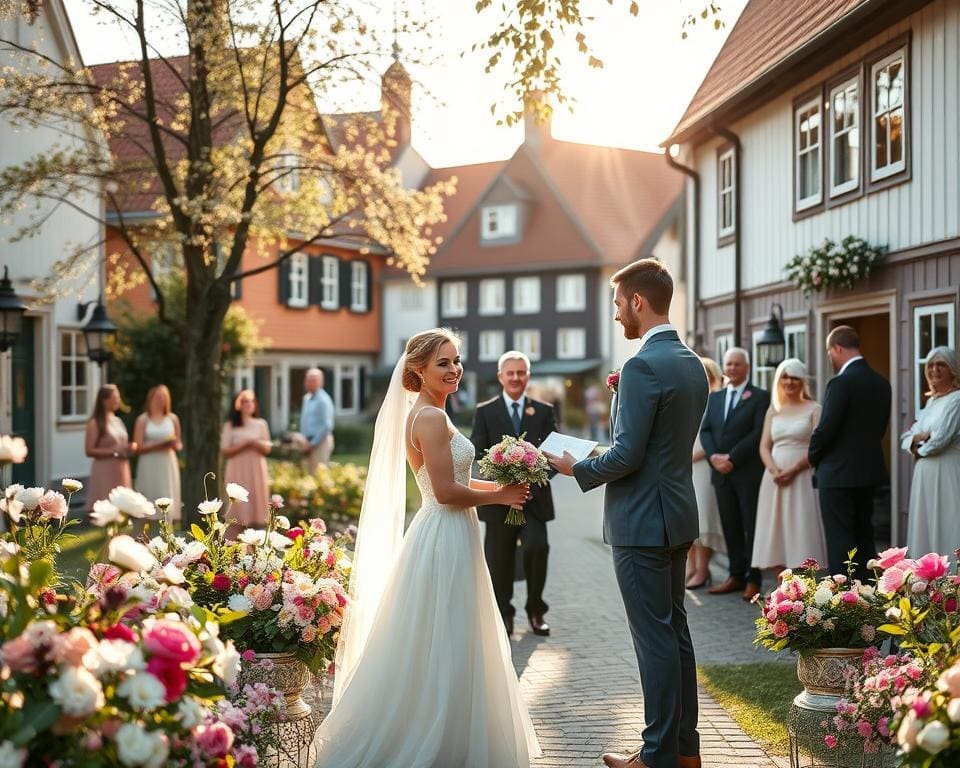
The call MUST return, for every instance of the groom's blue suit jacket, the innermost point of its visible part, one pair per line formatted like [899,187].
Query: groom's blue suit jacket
[648,471]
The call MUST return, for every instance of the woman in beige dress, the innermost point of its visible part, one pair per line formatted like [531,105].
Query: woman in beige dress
[789,528]
[711,533]
[245,443]
[157,435]
[106,442]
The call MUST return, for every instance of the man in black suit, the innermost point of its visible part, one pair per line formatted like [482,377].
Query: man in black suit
[730,436]
[513,412]
[846,451]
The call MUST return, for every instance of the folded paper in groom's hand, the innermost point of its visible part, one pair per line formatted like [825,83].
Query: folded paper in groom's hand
[557,442]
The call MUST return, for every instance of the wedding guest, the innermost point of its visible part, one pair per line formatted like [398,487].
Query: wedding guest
[934,440]
[106,442]
[515,412]
[316,420]
[846,451]
[245,443]
[730,436]
[711,530]
[789,529]
[157,435]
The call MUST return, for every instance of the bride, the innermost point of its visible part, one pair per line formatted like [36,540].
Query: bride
[424,677]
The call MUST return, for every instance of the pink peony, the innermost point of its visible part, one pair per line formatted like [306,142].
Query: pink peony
[780,629]
[864,729]
[931,566]
[248,655]
[20,655]
[214,739]
[530,458]
[171,674]
[52,506]
[172,640]
[890,557]
[893,579]
[71,646]
[515,454]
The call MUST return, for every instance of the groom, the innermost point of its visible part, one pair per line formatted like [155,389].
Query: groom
[650,511]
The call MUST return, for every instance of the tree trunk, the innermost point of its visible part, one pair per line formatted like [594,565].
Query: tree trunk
[203,414]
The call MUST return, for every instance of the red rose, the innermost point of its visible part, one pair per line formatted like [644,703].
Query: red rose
[120,632]
[171,674]
[221,582]
[613,380]
[295,533]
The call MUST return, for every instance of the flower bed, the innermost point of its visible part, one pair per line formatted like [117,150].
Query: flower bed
[333,493]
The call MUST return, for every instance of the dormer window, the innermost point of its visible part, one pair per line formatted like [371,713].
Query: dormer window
[288,172]
[498,222]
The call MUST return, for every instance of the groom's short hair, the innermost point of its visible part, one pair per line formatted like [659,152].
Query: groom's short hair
[651,279]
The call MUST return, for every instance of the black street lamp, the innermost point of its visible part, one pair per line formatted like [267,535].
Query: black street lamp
[98,332]
[11,313]
[772,346]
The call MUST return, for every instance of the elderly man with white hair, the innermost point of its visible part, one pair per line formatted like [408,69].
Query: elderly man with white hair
[316,420]
[934,439]
[730,437]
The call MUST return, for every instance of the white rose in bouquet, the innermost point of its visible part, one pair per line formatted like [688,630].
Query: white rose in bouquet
[236,492]
[131,503]
[104,514]
[227,663]
[78,693]
[29,497]
[143,691]
[933,737]
[139,748]
[130,554]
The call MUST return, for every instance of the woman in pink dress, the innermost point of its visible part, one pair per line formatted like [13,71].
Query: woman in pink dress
[107,444]
[245,443]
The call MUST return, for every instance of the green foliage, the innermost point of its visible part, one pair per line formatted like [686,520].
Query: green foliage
[833,264]
[333,493]
[355,437]
[148,351]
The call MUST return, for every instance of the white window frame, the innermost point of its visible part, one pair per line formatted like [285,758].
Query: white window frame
[494,288]
[844,89]
[571,343]
[792,349]
[298,294]
[929,310]
[890,169]
[760,375]
[727,156]
[528,341]
[722,343]
[75,357]
[289,167]
[359,301]
[526,295]
[411,297]
[243,379]
[453,301]
[491,344]
[330,282]
[810,108]
[347,371]
[499,222]
[573,297]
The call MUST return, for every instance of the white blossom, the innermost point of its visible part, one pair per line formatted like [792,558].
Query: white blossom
[143,691]
[78,692]
[130,554]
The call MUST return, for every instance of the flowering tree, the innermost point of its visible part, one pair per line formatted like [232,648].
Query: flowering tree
[213,139]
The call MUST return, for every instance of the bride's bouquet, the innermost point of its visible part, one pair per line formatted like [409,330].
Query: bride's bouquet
[513,460]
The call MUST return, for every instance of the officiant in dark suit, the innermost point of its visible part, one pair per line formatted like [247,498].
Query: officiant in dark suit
[730,437]
[513,412]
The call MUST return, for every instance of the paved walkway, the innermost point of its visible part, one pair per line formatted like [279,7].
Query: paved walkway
[587,694]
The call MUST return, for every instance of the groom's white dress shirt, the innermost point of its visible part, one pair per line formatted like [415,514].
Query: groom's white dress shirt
[847,364]
[654,331]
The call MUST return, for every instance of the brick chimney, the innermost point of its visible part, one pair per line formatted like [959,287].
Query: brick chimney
[537,121]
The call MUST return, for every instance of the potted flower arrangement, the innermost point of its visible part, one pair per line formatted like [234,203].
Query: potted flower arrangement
[833,264]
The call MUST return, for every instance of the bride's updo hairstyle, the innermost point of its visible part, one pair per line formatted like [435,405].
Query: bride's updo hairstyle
[421,350]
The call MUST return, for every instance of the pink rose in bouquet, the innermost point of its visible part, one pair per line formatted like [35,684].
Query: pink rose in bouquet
[514,460]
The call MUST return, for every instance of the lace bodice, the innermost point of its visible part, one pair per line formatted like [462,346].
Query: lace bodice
[463,454]
[794,426]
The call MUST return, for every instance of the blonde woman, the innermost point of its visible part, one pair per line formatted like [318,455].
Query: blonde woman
[934,439]
[789,528]
[711,532]
[157,435]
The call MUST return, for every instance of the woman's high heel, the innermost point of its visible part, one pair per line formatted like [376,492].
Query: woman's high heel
[708,579]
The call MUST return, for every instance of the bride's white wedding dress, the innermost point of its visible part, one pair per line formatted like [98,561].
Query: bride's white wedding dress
[434,686]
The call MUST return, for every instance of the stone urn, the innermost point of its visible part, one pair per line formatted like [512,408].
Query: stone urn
[824,673]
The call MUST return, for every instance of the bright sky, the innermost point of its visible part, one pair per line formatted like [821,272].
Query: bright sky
[649,75]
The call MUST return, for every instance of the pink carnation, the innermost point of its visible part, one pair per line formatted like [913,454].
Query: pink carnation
[931,566]
[849,598]
[890,557]
[830,740]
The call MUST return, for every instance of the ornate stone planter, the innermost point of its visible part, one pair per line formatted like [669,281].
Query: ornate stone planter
[290,676]
[824,675]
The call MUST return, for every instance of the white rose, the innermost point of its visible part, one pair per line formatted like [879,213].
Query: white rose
[171,574]
[934,737]
[70,485]
[227,664]
[161,750]
[139,748]
[104,513]
[283,522]
[113,656]
[822,596]
[13,450]
[211,507]
[78,693]
[143,691]
[236,492]
[252,536]
[191,712]
[953,710]
[176,596]
[893,613]
[13,508]
[131,503]
[279,541]
[30,497]
[240,603]
[163,503]
[130,554]
[10,756]
[907,733]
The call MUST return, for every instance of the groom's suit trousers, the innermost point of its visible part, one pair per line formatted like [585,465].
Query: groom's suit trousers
[651,580]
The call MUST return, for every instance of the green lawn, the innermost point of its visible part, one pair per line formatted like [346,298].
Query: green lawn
[757,696]
[76,554]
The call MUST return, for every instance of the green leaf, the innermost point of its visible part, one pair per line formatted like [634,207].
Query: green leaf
[197,532]
[892,629]
[37,718]
[40,572]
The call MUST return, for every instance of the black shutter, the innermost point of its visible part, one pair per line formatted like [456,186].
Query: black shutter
[283,276]
[369,270]
[315,280]
[345,283]
[362,387]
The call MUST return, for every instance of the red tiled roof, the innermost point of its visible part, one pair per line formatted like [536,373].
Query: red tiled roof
[472,182]
[767,32]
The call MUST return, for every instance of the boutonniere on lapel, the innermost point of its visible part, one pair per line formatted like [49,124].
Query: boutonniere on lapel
[529,410]
[747,394]
[613,380]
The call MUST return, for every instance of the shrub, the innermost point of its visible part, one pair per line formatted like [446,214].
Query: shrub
[334,492]
[353,437]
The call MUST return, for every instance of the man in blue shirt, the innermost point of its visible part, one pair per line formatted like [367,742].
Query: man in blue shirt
[316,420]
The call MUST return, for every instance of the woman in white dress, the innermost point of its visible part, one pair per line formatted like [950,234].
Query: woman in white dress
[157,435]
[424,677]
[789,529]
[934,439]
[711,538]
